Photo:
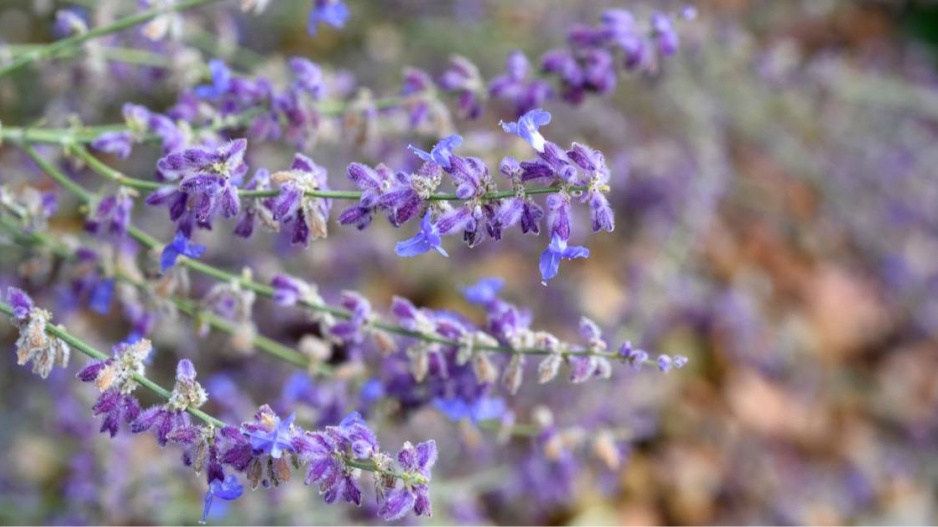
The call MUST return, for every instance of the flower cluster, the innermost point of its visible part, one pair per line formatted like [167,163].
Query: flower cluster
[266,449]
[354,356]
[171,418]
[117,378]
[206,182]
[403,196]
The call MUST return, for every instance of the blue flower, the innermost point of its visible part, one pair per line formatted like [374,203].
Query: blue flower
[556,251]
[275,441]
[441,153]
[483,292]
[526,127]
[100,300]
[181,246]
[221,81]
[428,238]
[332,12]
[484,409]
[228,490]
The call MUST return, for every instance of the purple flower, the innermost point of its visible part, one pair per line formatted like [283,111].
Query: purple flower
[331,12]
[69,22]
[483,292]
[112,213]
[601,216]
[555,252]
[235,448]
[181,246]
[228,489]
[397,503]
[309,77]
[635,357]
[20,302]
[419,459]
[221,81]
[225,161]
[354,436]
[442,152]
[273,440]
[308,215]
[414,461]
[512,86]
[469,174]
[666,38]
[288,290]
[161,419]
[100,300]
[426,239]
[117,143]
[558,217]
[207,181]
[115,407]
[462,77]
[350,331]
[257,208]
[527,127]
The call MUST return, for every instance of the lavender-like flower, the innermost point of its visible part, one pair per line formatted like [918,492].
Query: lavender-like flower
[411,494]
[555,252]
[221,81]
[228,489]
[168,419]
[330,12]
[112,215]
[426,239]
[118,143]
[527,128]
[442,152]
[515,87]
[116,378]
[307,215]
[273,438]
[207,182]
[462,78]
[181,246]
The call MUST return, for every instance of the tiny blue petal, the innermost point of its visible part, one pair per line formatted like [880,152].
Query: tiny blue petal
[428,238]
[181,246]
[483,292]
[331,12]
[555,252]
[527,128]
[228,490]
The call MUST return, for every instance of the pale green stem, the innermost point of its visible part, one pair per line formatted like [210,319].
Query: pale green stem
[56,48]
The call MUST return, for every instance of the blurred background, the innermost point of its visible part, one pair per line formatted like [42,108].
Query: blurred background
[776,199]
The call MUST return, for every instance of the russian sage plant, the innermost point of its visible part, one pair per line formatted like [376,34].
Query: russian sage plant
[229,153]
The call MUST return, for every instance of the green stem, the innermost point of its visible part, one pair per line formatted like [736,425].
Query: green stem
[56,48]
[87,134]
[117,177]
[189,308]
[139,57]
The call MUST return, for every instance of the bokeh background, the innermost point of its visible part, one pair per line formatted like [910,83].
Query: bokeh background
[776,197]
